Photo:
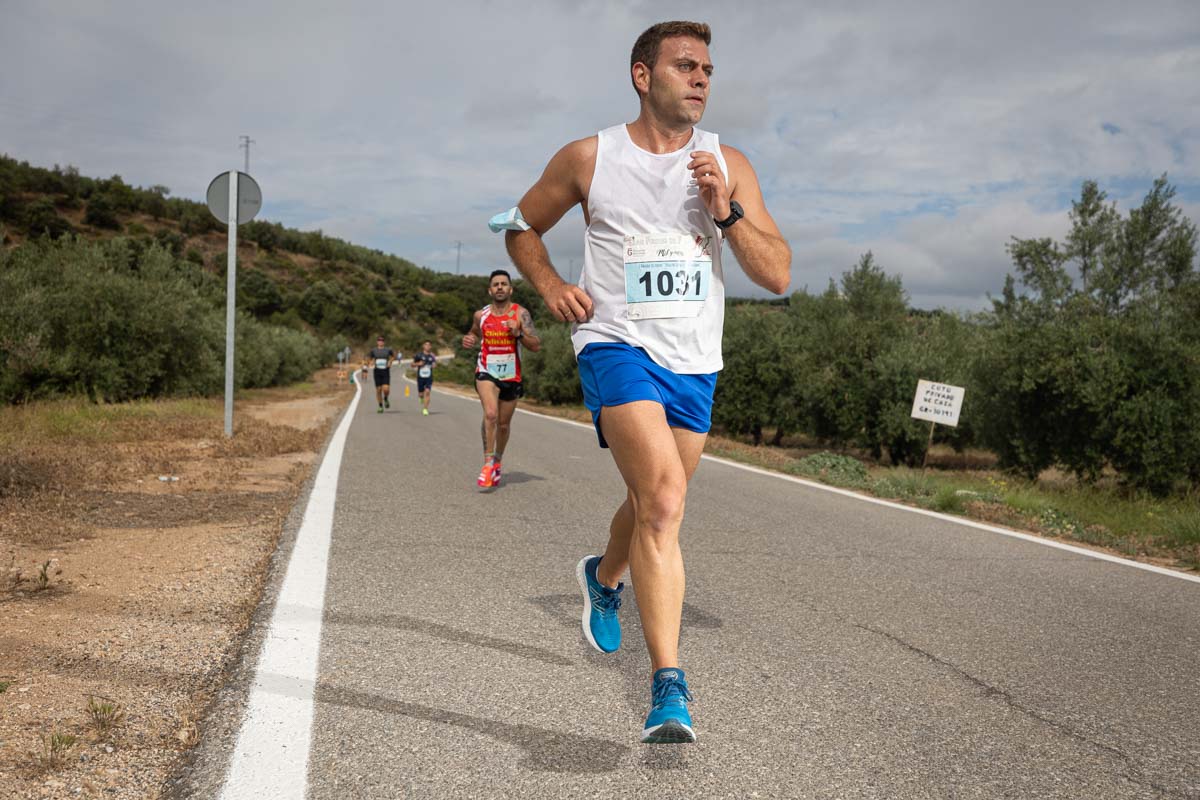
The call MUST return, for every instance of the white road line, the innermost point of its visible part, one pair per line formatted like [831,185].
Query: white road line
[900,507]
[271,756]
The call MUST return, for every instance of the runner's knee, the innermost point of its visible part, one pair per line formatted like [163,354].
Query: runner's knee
[660,510]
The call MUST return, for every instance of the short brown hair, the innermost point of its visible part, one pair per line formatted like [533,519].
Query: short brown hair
[645,49]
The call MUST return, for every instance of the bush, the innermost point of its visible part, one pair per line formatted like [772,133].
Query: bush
[105,321]
[1103,370]
[43,219]
[101,212]
[758,384]
[551,374]
[832,468]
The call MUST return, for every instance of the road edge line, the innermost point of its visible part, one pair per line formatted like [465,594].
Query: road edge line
[270,758]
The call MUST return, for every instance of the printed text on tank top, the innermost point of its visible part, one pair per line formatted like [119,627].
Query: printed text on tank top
[499,355]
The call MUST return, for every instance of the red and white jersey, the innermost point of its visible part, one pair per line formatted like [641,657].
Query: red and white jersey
[500,352]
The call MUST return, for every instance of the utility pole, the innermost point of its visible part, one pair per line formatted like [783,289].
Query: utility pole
[245,145]
[458,258]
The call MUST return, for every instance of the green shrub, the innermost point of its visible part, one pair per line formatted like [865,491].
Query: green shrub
[551,374]
[43,219]
[831,468]
[148,329]
[1104,368]
[907,485]
[101,212]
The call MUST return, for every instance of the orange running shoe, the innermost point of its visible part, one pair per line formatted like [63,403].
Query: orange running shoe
[495,473]
[485,475]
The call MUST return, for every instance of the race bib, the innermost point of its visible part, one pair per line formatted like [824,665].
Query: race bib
[381,363]
[425,371]
[502,366]
[667,274]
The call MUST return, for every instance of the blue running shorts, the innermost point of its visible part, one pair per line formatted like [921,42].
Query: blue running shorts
[613,374]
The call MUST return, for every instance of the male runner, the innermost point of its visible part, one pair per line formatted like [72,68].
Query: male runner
[424,362]
[382,358]
[503,327]
[659,197]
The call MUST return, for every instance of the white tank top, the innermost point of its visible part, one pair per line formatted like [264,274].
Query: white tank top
[652,255]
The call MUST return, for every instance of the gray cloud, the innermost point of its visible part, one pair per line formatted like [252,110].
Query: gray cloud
[928,133]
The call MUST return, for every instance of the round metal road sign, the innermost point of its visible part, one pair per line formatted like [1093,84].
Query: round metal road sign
[249,197]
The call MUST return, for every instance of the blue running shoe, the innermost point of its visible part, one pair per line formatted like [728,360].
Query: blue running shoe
[600,603]
[669,721]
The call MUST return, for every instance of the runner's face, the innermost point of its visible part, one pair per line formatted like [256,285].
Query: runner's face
[679,83]
[500,289]
[427,347]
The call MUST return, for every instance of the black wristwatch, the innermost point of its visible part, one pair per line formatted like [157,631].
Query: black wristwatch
[735,213]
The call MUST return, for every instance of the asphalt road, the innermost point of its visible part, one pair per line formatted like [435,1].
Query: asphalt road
[836,648]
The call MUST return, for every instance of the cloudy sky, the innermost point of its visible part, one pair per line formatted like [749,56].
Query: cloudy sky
[926,132]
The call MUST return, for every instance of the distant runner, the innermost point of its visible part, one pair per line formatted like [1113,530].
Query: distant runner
[504,327]
[382,358]
[424,362]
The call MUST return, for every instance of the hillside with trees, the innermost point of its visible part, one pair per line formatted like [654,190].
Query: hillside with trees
[118,292]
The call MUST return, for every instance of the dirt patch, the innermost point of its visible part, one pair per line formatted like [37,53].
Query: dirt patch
[305,413]
[132,562]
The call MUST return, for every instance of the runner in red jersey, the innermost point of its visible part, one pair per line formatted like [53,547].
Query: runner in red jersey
[504,328]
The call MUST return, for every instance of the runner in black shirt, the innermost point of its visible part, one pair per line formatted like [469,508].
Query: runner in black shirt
[382,359]
[424,362]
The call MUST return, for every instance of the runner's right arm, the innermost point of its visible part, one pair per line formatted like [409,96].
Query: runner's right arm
[561,186]
[471,338]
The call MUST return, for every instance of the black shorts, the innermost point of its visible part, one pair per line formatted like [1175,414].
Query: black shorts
[509,390]
[424,384]
[383,377]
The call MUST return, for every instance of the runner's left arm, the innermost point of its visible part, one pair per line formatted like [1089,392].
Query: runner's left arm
[529,335]
[755,239]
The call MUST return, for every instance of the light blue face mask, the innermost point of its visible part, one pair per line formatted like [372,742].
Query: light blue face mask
[510,220]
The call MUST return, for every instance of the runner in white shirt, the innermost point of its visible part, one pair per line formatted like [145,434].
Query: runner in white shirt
[660,197]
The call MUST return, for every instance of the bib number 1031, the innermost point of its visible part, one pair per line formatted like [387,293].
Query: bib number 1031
[667,274]
[665,284]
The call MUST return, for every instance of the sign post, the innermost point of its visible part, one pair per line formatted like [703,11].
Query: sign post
[936,402]
[233,198]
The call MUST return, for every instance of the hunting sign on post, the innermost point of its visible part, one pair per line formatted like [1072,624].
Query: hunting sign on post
[938,402]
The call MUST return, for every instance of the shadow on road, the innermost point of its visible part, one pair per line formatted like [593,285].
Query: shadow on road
[520,477]
[545,751]
[400,622]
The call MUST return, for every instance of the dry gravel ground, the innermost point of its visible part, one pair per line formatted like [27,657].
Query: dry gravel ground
[150,583]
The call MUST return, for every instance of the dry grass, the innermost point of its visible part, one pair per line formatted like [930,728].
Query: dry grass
[104,715]
[56,749]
